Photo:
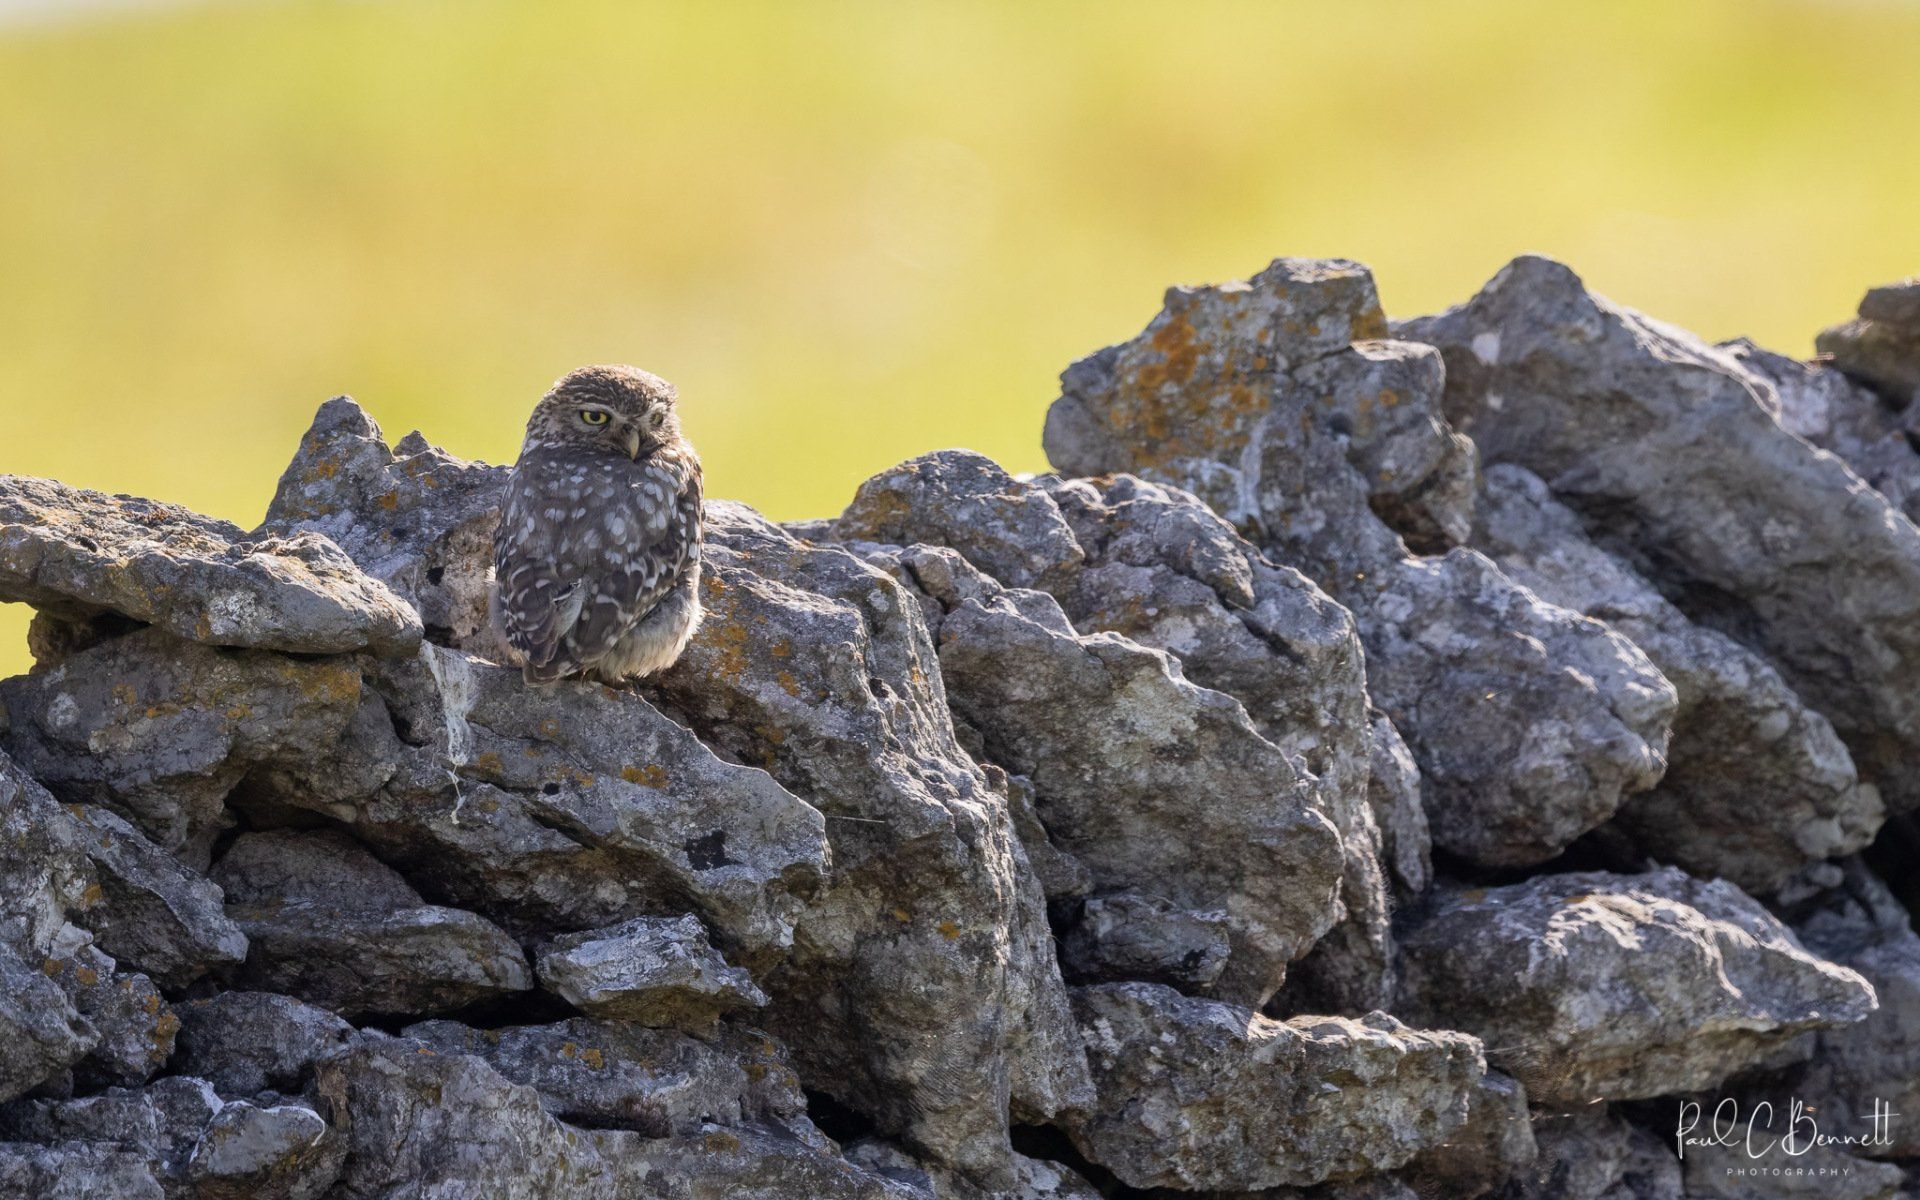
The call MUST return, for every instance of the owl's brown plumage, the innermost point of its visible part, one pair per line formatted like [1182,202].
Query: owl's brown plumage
[597,558]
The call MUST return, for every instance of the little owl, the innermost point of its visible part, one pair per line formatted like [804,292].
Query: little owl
[597,559]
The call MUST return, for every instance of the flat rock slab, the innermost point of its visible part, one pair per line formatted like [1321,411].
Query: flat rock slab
[1195,1094]
[1594,985]
[78,553]
[650,970]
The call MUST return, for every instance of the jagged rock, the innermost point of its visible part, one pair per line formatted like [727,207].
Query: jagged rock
[75,1171]
[1858,923]
[1196,1094]
[1591,1153]
[1393,793]
[1528,723]
[922,988]
[1127,935]
[245,1043]
[44,872]
[1882,346]
[1757,784]
[434,1124]
[280,1152]
[41,1032]
[1033,1178]
[414,517]
[566,807]
[1119,747]
[1061,875]
[78,553]
[1820,405]
[135,1024]
[191,1141]
[1165,571]
[160,730]
[652,970]
[149,911]
[659,1082]
[964,500]
[1593,985]
[1661,445]
[1487,1149]
[330,924]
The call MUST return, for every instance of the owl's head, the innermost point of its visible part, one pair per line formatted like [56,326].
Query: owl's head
[616,409]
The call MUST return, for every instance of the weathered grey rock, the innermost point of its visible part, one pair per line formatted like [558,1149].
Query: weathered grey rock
[147,910]
[1593,985]
[44,873]
[1393,793]
[41,1032]
[1881,347]
[1061,875]
[1165,571]
[135,1024]
[1196,1094]
[1856,922]
[921,989]
[658,1082]
[1757,784]
[651,970]
[1763,537]
[1822,406]
[1488,1148]
[75,1171]
[425,1123]
[413,517]
[77,553]
[161,1121]
[1591,1153]
[1528,723]
[966,501]
[245,1043]
[328,923]
[1033,1178]
[1155,784]
[161,730]
[1127,935]
[279,1152]
[566,807]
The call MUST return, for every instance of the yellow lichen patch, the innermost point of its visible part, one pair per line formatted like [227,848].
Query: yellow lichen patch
[1474,896]
[549,729]
[489,762]
[788,683]
[948,930]
[594,1058]
[902,915]
[389,501]
[1389,398]
[1178,355]
[651,775]
[569,1049]
[721,1142]
[92,896]
[1370,325]
[123,693]
[782,648]
[88,977]
[239,712]
[51,967]
[163,1031]
[730,651]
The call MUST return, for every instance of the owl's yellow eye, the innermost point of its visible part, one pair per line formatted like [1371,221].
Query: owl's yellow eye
[593,416]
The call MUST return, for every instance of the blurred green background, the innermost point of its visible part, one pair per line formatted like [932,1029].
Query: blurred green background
[855,231]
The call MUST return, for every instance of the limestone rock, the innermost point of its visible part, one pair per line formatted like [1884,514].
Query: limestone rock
[922,988]
[412,516]
[610,1074]
[1762,537]
[650,970]
[1757,784]
[1882,346]
[161,730]
[280,1152]
[1529,724]
[1593,985]
[964,500]
[245,1043]
[78,553]
[1592,1153]
[1195,1094]
[1489,1147]
[75,1171]
[330,924]
[41,1032]
[1128,935]
[136,1026]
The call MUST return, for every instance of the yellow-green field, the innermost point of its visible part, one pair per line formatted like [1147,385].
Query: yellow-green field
[854,231]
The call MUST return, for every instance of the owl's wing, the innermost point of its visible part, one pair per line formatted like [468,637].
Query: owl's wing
[583,553]
[663,513]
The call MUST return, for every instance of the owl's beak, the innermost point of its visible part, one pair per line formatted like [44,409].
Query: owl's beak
[631,436]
